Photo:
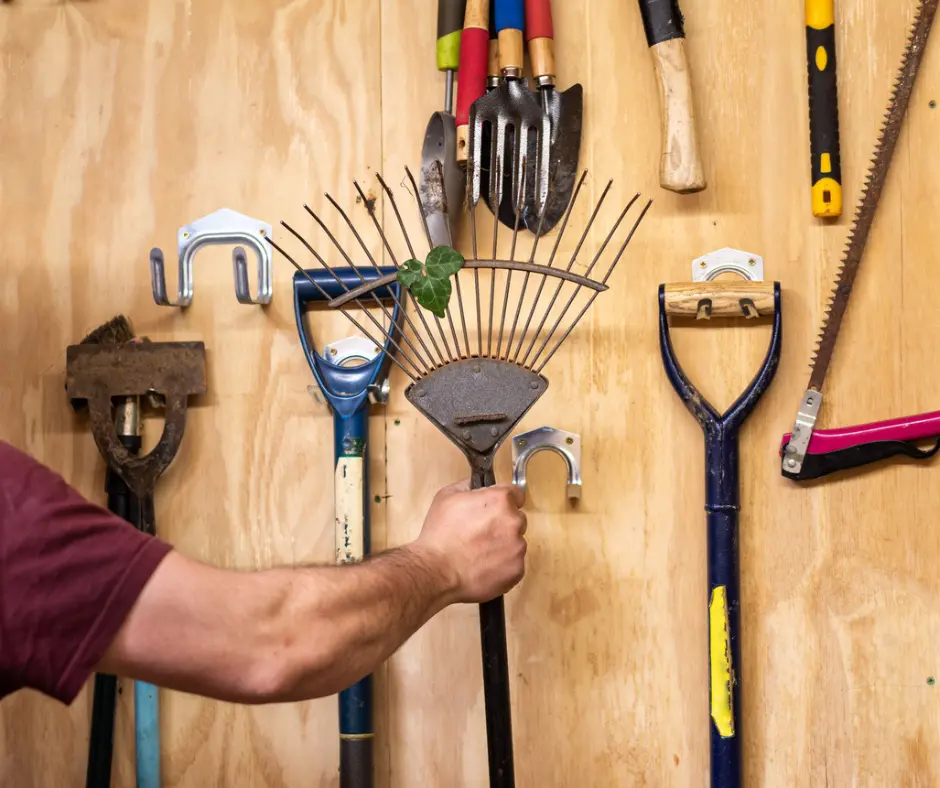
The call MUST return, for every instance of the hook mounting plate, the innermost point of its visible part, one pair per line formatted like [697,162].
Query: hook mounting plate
[567,444]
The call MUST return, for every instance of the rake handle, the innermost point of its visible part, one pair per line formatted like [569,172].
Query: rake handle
[495,676]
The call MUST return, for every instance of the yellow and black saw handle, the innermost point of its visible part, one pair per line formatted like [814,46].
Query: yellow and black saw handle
[823,108]
[680,167]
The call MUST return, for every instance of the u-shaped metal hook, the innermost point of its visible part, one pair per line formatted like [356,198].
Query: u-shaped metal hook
[566,444]
[225,226]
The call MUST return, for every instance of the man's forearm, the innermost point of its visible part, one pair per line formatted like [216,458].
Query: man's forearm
[339,623]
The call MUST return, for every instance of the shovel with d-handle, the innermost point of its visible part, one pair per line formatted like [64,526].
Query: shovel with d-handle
[509,106]
[439,152]
[350,373]
[722,503]
[565,109]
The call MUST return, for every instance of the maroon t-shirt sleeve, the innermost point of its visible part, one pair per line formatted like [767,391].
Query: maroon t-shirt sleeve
[70,571]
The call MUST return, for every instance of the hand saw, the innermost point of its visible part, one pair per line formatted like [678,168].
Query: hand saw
[809,455]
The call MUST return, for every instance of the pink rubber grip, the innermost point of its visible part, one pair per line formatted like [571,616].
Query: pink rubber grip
[906,428]
[538,19]
[471,77]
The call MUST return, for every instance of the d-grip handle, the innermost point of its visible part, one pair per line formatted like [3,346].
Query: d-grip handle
[703,300]
[681,166]
[495,675]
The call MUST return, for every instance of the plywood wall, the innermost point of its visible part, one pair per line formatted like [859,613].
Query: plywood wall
[121,121]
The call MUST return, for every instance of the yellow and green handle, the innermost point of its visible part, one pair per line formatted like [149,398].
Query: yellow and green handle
[823,108]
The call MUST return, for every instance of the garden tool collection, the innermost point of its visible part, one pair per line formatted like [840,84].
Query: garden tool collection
[351,373]
[680,165]
[703,300]
[520,130]
[440,138]
[826,162]
[475,380]
[809,453]
[109,372]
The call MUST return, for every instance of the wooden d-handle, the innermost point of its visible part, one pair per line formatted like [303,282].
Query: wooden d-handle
[703,300]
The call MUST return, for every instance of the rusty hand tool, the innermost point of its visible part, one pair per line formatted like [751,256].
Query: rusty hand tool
[520,130]
[680,165]
[474,379]
[809,454]
[825,160]
[440,137]
[722,299]
[565,110]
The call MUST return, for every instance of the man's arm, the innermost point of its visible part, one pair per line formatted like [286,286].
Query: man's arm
[294,633]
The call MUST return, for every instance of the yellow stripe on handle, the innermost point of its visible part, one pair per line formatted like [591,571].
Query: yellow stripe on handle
[719,663]
[820,14]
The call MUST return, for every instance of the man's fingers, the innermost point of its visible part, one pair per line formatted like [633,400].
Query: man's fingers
[518,495]
[456,487]
[525,523]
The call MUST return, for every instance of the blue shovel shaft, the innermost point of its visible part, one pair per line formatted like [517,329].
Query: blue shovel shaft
[351,509]
[147,734]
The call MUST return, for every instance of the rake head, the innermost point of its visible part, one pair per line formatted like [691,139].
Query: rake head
[475,372]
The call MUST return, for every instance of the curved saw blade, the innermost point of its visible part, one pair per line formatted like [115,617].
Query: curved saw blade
[871,194]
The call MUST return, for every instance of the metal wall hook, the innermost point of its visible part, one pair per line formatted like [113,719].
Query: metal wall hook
[567,444]
[225,226]
[746,265]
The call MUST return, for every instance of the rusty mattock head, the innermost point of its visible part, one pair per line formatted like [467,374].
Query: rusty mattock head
[97,373]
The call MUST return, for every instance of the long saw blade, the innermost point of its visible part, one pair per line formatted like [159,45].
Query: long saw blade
[858,235]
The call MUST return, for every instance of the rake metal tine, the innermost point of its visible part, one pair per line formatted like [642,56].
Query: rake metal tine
[424,221]
[375,265]
[587,274]
[595,293]
[404,232]
[352,319]
[520,194]
[551,260]
[450,242]
[561,282]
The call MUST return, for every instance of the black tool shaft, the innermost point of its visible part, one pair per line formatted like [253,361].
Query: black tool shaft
[496,676]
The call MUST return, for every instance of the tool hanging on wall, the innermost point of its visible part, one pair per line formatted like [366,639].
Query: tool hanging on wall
[222,227]
[826,163]
[565,444]
[440,137]
[351,373]
[515,118]
[680,164]
[703,299]
[472,75]
[109,372]
[475,380]
[565,112]
[809,454]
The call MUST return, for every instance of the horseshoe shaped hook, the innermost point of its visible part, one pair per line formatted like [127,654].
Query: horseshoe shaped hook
[566,444]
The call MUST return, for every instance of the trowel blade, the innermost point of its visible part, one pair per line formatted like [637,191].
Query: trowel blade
[442,201]
[565,111]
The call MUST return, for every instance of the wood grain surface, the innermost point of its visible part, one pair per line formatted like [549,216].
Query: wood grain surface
[122,121]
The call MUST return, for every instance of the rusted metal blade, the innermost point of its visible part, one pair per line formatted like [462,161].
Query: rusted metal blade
[442,197]
[552,195]
[871,194]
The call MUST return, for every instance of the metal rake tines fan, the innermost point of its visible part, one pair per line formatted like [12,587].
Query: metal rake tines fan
[477,370]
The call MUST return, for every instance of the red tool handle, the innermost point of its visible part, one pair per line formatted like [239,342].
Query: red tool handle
[471,78]
[538,19]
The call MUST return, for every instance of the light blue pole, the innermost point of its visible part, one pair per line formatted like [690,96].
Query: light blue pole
[147,734]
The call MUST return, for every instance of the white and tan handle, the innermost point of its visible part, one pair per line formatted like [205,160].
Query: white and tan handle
[349,509]
[681,165]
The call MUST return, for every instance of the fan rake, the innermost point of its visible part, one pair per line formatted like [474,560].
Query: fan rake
[475,372]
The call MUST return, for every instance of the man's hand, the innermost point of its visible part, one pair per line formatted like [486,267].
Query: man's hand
[479,536]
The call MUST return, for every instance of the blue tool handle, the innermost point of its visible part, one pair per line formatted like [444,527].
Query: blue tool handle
[353,536]
[147,734]
[306,292]
[509,15]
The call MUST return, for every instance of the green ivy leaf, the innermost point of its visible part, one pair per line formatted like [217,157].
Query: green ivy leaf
[432,294]
[410,272]
[443,262]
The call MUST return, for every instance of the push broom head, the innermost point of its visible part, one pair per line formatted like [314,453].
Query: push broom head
[477,370]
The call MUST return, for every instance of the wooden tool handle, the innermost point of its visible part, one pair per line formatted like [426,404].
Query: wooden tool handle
[450,16]
[681,168]
[703,300]
[509,22]
[471,78]
[492,64]
[826,165]
[540,34]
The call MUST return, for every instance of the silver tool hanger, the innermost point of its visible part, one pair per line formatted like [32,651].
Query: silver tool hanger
[227,227]
[567,444]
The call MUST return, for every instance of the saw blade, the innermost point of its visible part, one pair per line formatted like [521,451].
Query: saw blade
[871,193]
